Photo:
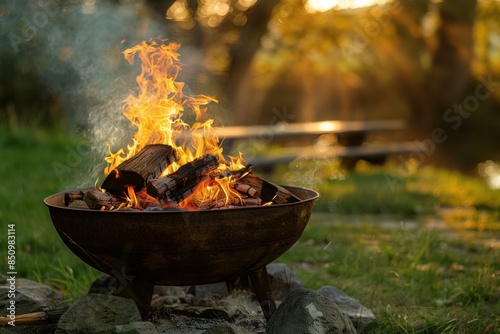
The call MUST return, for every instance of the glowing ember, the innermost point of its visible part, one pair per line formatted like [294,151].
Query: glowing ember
[161,113]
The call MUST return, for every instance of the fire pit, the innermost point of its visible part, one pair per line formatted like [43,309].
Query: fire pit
[183,248]
[149,222]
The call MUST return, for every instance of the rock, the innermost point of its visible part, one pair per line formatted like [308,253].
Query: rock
[30,297]
[225,329]
[139,327]
[97,313]
[307,312]
[283,280]
[104,284]
[359,315]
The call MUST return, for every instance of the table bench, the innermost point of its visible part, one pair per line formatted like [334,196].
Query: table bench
[351,141]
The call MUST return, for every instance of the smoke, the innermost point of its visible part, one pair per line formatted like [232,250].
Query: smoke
[74,48]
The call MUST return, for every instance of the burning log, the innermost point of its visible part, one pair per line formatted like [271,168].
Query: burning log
[96,199]
[145,201]
[236,174]
[184,180]
[218,203]
[148,164]
[181,191]
[246,189]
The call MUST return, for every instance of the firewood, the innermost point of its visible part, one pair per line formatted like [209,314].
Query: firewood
[236,174]
[231,200]
[35,318]
[245,189]
[254,182]
[72,196]
[284,196]
[242,172]
[267,191]
[252,201]
[97,199]
[188,175]
[217,202]
[145,201]
[128,209]
[181,192]
[148,164]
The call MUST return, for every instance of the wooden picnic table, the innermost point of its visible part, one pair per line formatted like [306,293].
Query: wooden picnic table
[349,132]
[351,143]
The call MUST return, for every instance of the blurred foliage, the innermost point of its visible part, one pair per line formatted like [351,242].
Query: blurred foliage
[392,59]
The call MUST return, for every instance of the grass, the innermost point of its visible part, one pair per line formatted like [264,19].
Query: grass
[29,173]
[415,278]
[421,250]
[382,190]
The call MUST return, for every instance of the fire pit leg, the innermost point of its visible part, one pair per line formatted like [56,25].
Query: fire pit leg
[140,291]
[262,289]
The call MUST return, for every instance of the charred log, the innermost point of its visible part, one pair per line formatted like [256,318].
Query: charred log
[148,164]
[181,191]
[72,196]
[96,199]
[174,186]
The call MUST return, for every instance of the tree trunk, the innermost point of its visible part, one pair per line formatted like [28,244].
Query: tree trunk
[242,54]
[450,78]
[405,53]
[451,61]
[430,94]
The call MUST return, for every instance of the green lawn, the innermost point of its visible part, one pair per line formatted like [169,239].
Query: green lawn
[422,251]
[387,190]
[415,277]
[36,164]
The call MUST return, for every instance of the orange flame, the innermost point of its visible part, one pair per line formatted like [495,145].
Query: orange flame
[131,198]
[158,107]
[159,110]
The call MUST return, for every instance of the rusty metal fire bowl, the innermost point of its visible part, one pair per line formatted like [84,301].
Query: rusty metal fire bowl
[183,247]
